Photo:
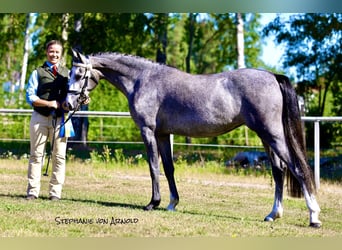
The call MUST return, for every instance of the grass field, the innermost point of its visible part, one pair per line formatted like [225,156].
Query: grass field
[101,200]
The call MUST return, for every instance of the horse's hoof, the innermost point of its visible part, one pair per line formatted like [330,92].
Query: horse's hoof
[149,207]
[152,205]
[268,219]
[171,208]
[173,204]
[315,225]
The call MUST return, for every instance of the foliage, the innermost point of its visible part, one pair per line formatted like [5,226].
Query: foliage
[309,38]
[314,49]
[12,27]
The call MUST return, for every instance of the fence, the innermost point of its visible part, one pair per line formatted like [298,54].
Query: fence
[316,121]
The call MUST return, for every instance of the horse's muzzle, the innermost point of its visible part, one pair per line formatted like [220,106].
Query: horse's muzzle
[66,106]
[70,107]
[70,103]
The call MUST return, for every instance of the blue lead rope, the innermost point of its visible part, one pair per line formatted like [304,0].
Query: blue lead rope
[66,128]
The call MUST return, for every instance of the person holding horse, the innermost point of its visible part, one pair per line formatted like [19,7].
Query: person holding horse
[46,90]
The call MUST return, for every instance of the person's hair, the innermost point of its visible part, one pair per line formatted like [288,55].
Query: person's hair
[53,42]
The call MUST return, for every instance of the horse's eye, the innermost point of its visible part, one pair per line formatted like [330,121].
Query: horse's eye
[78,77]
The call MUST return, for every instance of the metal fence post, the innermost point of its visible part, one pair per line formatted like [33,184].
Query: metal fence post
[317,154]
[172,143]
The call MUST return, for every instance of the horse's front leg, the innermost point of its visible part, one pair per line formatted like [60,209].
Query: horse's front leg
[164,147]
[152,156]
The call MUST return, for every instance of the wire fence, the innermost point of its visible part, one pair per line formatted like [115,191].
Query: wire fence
[104,129]
[21,123]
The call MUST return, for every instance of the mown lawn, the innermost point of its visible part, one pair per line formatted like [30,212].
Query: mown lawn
[102,200]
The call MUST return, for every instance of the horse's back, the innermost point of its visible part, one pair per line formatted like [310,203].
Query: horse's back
[210,105]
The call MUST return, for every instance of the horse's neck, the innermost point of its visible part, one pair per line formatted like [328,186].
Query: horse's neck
[122,71]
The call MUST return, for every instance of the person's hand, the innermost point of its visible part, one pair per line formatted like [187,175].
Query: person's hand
[86,101]
[53,104]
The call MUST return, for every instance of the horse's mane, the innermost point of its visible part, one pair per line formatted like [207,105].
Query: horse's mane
[110,54]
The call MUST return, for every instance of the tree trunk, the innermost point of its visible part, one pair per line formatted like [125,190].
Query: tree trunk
[190,41]
[161,36]
[81,124]
[25,56]
[191,27]
[240,40]
[65,25]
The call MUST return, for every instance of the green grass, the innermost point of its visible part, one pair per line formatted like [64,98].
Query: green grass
[212,203]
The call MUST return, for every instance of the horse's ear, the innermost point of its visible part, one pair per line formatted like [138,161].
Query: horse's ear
[74,53]
[78,56]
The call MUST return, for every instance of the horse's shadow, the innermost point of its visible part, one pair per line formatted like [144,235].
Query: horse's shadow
[140,207]
[80,200]
[135,207]
[106,203]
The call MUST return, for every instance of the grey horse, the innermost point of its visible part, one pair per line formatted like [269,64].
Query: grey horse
[164,100]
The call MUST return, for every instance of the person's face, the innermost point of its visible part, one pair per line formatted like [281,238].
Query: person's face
[54,53]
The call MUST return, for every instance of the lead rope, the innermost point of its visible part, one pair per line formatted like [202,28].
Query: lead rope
[54,125]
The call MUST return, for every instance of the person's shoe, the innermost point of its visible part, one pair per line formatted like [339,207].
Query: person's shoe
[54,198]
[31,197]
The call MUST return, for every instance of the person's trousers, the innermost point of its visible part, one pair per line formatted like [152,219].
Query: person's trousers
[42,129]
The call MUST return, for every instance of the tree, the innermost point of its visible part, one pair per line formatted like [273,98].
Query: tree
[198,43]
[240,44]
[314,49]
[26,51]
[80,124]
[12,27]
[191,34]
[160,22]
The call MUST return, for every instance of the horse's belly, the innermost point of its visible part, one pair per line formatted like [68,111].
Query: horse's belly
[199,128]
[202,116]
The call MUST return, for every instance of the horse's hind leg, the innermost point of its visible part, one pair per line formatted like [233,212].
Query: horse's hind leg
[283,153]
[313,206]
[164,147]
[278,176]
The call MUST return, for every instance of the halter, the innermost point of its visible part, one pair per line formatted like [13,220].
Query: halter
[83,97]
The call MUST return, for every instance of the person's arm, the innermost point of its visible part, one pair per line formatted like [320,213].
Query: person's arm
[31,94]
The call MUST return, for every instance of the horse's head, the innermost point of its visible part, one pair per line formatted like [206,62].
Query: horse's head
[82,81]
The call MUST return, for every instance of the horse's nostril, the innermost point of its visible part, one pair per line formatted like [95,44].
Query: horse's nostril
[70,107]
[66,106]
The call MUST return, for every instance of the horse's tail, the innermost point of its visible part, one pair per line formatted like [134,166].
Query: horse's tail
[295,139]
